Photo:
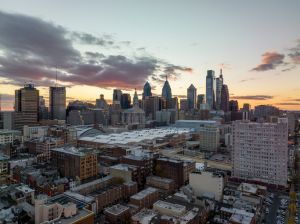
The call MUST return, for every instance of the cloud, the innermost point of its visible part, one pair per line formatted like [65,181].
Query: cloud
[253,97]
[270,60]
[294,53]
[288,104]
[86,38]
[246,80]
[36,50]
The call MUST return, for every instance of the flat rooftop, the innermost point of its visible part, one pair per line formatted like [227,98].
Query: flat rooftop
[74,151]
[116,209]
[81,214]
[140,195]
[179,209]
[136,136]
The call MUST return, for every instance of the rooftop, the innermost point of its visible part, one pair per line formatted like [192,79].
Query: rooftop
[136,136]
[74,151]
[117,209]
[125,167]
[140,195]
[171,206]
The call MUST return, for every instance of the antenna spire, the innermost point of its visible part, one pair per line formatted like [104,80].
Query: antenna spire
[56,77]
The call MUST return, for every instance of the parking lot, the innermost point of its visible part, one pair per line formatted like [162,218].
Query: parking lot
[276,209]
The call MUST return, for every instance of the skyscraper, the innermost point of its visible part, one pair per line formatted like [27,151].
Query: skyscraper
[211,89]
[43,110]
[166,91]
[117,95]
[200,100]
[135,99]
[192,97]
[26,106]
[224,99]
[260,151]
[101,103]
[147,90]
[233,105]
[219,85]
[125,100]
[57,102]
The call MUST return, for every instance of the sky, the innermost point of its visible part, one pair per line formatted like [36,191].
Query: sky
[95,46]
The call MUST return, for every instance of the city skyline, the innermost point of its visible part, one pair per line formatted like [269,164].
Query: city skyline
[106,49]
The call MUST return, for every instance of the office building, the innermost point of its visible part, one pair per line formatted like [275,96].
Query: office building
[200,100]
[192,97]
[57,103]
[153,104]
[26,106]
[209,138]
[43,110]
[75,162]
[260,151]
[219,85]
[101,103]
[211,89]
[224,99]
[233,106]
[265,111]
[125,101]
[166,90]
[147,90]
[117,93]
[184,104]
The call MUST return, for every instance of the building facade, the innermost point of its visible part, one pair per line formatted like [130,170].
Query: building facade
[211,89]
[57,103]
[260,151]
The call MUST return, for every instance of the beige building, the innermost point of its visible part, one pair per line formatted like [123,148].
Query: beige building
[26,106]
[55,212]
[207,183]
[260,151]
[209,138]
[75,162]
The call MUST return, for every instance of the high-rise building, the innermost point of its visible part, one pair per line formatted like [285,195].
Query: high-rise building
[57,102]
[26,106]
[265,111]
[233,105]
[209,138]
[43,110]
[200,100]
[166,91]
[219,85]
[184,104]
[224,99]
[125,101]
[147,90]
[260,151]
[153,104]
[101,103]
[117,95]
[192,97]
[246,107]
[211,89]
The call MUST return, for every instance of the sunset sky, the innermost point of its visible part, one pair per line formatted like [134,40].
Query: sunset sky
[100,45]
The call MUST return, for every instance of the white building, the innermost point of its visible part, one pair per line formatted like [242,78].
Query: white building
[34,132]
[260,151]
[207,183]
[8,136]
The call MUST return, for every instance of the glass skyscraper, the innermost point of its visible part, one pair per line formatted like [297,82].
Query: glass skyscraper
[147,90]
[211,89]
